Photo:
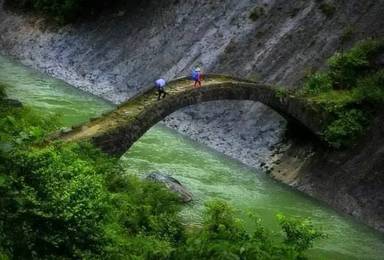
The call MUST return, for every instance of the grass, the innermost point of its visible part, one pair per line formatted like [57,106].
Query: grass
[339,98]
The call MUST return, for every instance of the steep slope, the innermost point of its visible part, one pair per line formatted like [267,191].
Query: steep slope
[108,58]
[116,55]
[350,180]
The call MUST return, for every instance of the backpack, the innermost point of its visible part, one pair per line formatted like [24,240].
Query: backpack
[160,84]
[195,75]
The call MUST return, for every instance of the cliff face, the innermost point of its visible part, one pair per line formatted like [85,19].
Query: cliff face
[351,180]
[119,53]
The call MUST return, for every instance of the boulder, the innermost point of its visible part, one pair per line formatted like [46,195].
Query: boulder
[172,184]
[65,130]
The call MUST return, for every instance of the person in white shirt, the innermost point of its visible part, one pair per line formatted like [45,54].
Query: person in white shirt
[160,86]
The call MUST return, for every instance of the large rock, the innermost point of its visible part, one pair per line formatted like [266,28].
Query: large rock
[172,184]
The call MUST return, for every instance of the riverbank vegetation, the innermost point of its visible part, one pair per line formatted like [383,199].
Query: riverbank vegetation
[65,201]
[351,89]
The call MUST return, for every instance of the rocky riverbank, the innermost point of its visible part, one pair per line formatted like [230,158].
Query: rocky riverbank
[256,143]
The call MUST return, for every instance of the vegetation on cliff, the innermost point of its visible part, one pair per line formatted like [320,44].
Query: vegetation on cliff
[67,201]
[350,88]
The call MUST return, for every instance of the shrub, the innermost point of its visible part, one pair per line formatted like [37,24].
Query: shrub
[371,88]
[71,201]
[327,8]
[55,203]
[22,127]
[345,69]
[223,236]
[350,83]
[299,234]
[59,208]
[256,13]
[281,92]
[348,126]
[317,83]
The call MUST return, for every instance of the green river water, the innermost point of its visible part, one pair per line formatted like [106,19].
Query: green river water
[206,173]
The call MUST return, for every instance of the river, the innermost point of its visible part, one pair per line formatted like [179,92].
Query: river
[206,173]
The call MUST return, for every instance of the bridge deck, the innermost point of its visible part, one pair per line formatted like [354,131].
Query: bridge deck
[117,130]
[128,111]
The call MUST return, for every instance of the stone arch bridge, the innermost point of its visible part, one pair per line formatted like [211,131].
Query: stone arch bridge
[115,132]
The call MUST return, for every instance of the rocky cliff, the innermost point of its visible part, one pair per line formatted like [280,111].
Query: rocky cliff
[350,180]
[120,52]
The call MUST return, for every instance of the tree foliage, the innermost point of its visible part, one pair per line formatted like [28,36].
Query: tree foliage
[71,201]
[223,236]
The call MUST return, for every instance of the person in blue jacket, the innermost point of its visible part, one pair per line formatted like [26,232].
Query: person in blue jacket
[197,77]
[160,86]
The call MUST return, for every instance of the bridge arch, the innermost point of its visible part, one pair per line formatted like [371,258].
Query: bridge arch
[116,131]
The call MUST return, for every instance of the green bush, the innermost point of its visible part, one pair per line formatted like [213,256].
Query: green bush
[55,202]
[281,92]
[59,208]
[348,126]
[71,201]
[21,127]
[345,69]
[371,88]
[317,83]
[300,234]
[223,236]
[350,84]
